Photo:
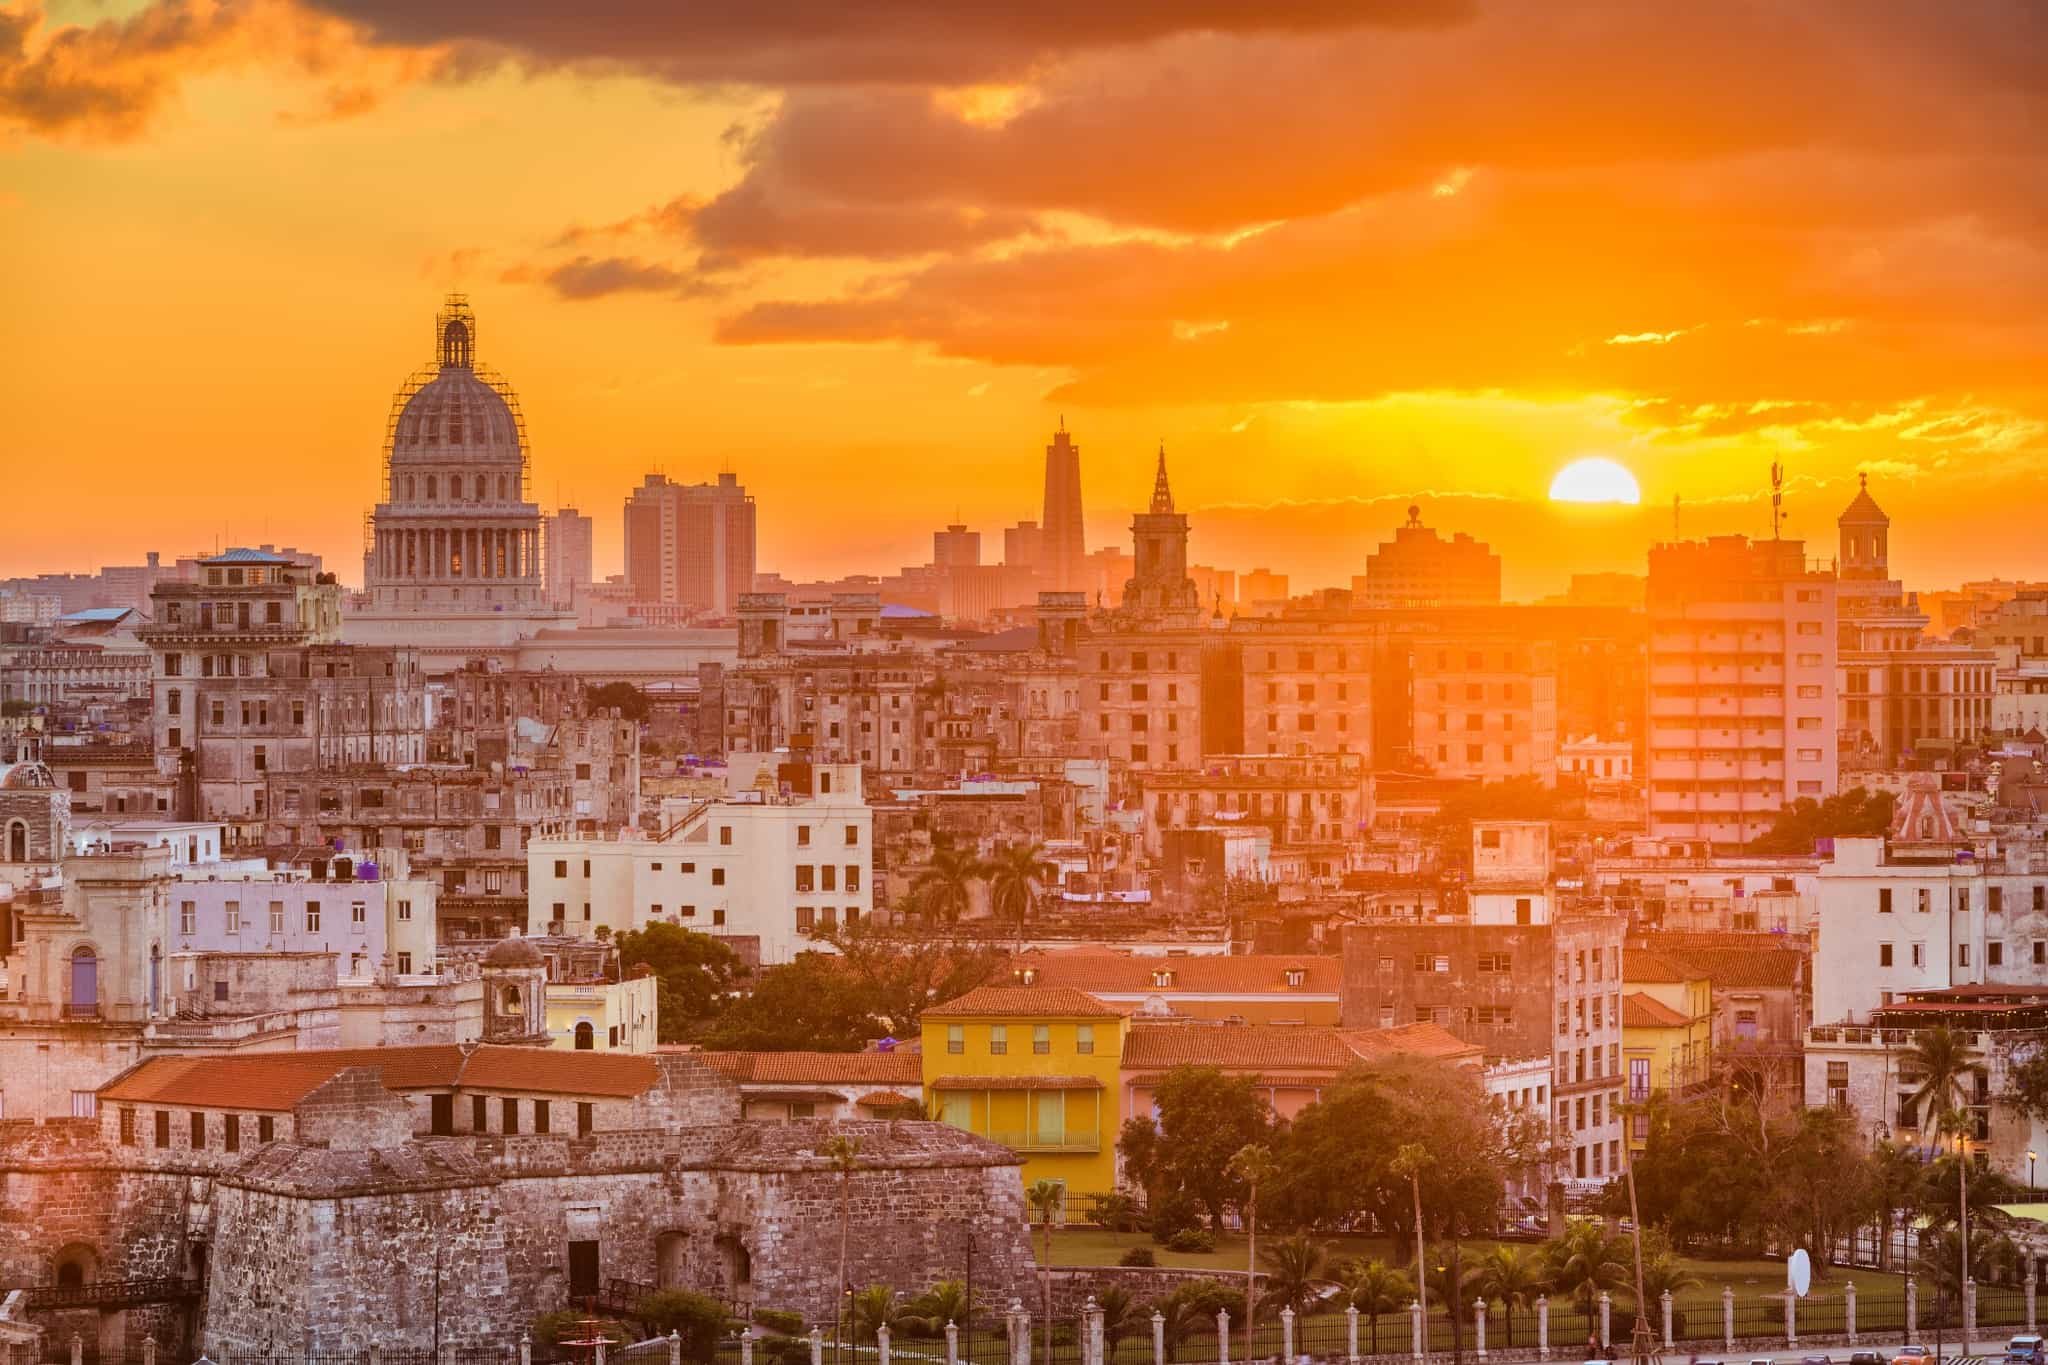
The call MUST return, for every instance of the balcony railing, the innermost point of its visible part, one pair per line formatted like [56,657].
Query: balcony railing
[1033,1142]
[110,1293]
[74,1010]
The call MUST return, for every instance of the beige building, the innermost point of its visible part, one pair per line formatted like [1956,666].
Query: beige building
[1419,568]
[1743,712]
[1486,706]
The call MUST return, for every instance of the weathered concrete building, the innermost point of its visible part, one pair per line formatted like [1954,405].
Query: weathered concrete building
[422,1197]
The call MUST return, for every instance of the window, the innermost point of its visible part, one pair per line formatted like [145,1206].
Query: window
[232,913]
[956,1039]
[358,915]
[312,917]
[718,876]
[128,1127]
[1962,954]
[404,910]
[198,1132]
[188,917]
[998,1040]
[585,1112]
[852,877]
[511,1115]
[1041,1039]
[479,1114]
[806,919]
[561,867]
[231,1133]
[725,834]
[1884,954]
[1994,954]
[803,836]
[1919,955]
[540,1116]
[1638,1078]
[852,836]
[405,964]
[1884,900]
[1084,1039]
[1496,963]
[163,1128]
[803,877]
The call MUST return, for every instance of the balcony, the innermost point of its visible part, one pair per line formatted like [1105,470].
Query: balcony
[110,1293]
[73,1010]
[1071,1143]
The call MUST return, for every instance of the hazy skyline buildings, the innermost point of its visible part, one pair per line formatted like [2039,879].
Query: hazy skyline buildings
[691,545]
[1062,531]
[567,540]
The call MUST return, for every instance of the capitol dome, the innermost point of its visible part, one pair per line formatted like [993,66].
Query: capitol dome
[455,416]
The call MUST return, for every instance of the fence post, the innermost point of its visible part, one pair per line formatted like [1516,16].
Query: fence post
[1415,1324]
[1351,1334]
[1969,1311]
[952,1342]
[149,1349]
[1791,1320]
[1479,1325]
[1091,1323]
[1666,1301]
[1728,1317]
[882,1343]
[1849,1307]
[1222,1337]
[77,1349]
[376,1353]
[817,1346]
[1286,1337]
[1158,1337]
[1606,1322]
[1543,1326]
[526,1348]
[1020,1340]
[675,1347]
[1912,1309]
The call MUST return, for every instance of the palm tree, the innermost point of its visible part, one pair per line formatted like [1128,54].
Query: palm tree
[1374,1287]
[945,888]
[1045,1198]
[1512,1278]
[844,1154]
[1897,1174]
[1182,1320]
[1015,873]
[873,1307]
[1252,1163]
[1944,1061]
[1409,1162]
[1585,1263]
[1665,1274]
[944,1302]
[1293,1265]
[1119,1318]
[1455,1294]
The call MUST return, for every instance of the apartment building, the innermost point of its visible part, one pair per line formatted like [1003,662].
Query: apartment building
[1486,706]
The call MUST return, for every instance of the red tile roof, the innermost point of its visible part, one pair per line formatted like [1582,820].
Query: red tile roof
[889,1099]
[276,1081]
[1102,970]
[821,1068]
[1024,1002]
[1640,964]
[1016,1083]
[1280,1047]
[1639,1010]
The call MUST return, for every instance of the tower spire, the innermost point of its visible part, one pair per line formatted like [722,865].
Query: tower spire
[1162,493]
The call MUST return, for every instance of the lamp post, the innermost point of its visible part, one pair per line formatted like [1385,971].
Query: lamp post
[2031,1187]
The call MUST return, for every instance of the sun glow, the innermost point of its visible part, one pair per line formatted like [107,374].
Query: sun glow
[1595,480]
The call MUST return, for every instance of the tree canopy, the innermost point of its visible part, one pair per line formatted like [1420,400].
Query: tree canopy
[694,973]
[1856,813]
[1205,1118]
[630,700]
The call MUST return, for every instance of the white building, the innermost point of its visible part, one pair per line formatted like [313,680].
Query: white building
[785,855]
[1594,759]
[1743,702]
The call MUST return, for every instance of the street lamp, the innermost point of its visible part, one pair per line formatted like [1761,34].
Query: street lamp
[2030,1171]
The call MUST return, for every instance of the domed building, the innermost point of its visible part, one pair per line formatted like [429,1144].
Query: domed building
[453,558]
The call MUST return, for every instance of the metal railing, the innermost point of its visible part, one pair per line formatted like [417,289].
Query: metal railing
[111,1293]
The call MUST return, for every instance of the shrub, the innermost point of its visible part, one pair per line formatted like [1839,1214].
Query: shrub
[1192,1240]
[780,1320]
[1138,1256]
[1170,1214]
[1204,1297]
[787,1350]
[1117,1211]
[697,1318]
[549,1329]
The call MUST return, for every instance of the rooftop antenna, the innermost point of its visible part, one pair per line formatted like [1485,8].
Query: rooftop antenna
[1777,497]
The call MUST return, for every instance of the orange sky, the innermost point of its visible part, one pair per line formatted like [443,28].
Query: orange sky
[1340,256]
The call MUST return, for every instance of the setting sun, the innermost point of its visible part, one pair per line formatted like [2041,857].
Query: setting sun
[1595,480]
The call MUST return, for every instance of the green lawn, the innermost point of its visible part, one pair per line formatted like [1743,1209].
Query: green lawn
[1093,1246]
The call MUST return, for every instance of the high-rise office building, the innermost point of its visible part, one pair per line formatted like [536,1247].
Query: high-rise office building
[1064,537]
[690,544]
[565,541]
[1419,568]
[956,547]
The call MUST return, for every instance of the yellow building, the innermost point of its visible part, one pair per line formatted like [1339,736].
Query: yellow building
[1667,1032]
[1034,1068]
[604,1016]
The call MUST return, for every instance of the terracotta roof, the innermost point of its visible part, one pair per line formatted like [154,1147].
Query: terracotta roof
[1131,973]
[1743,968]
[1016,1083]
[1639,964]
[277,1081]
[1237,1046]
[889,1099]
[1411,1040]
[827,1068]
[1058,1002]
[1646,1011]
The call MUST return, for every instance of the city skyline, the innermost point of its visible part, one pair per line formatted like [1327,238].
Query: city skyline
[1365,311]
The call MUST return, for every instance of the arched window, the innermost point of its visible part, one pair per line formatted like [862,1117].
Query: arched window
[432,493]
[411,488]
[17,841]
[454,487]
[508,1000]
[586,1037]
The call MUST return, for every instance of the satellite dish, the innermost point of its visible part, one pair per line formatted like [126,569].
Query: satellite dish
[1799,1272]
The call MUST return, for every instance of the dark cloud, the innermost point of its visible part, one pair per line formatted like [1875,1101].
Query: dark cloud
[798,42]
[589,277]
